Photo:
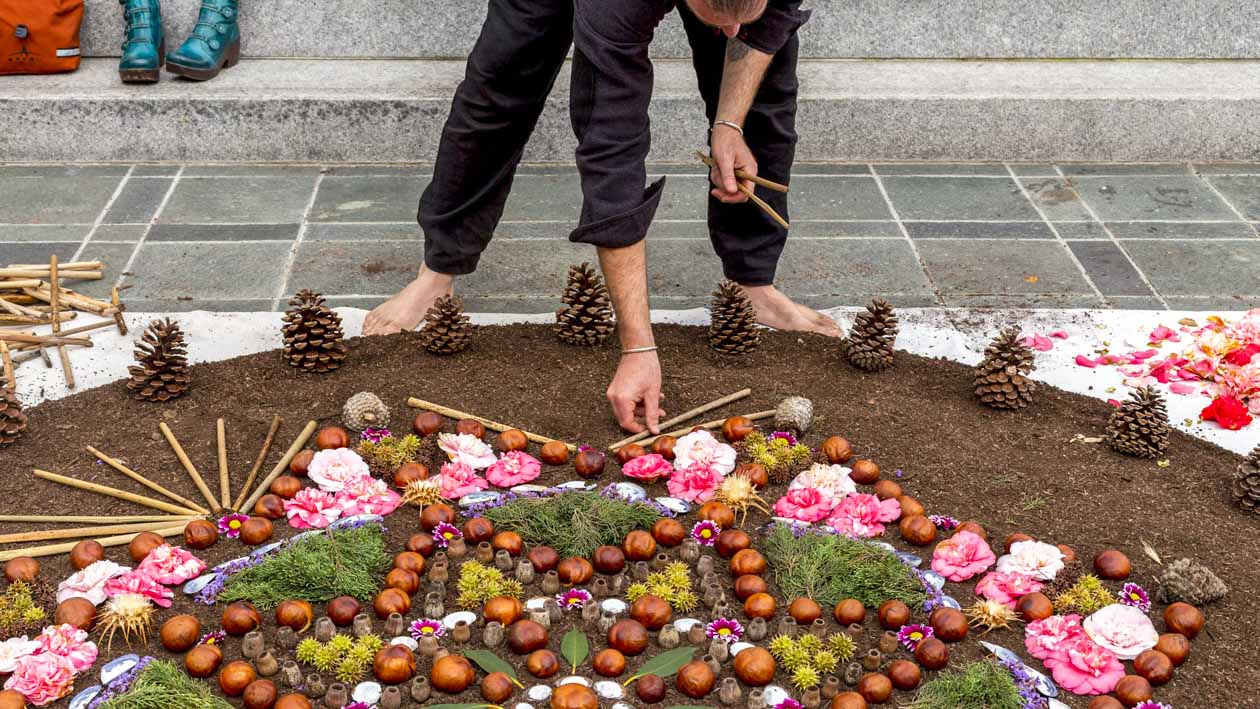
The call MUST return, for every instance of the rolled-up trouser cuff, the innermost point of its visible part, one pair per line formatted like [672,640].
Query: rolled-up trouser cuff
[450,265]
[625,229]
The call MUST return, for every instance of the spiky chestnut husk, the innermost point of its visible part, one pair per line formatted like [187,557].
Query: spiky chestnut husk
[738,493]
[128,614]
[422,492]
[991,615]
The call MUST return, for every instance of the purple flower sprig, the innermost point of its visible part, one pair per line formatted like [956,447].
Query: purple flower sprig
[1135,596]
[1026,685]
[121,684]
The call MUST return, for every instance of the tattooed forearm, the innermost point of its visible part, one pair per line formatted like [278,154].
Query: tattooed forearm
[736,50]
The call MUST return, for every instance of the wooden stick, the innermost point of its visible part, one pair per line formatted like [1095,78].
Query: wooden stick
[111,492]
[492,425]
[71,298]
[21,284]
[45,339]
[188,466]
[72,331]
[117,465]
[716,403]
[66,369]
[764,207]
[16,309]
[75,274]
[768,184]
[708,425]
[65,547]
[118,311]
[97,519]
[300,441]
[78,532]
[7,362]
[71,266]
[262,457]
[225,494]
[36,319]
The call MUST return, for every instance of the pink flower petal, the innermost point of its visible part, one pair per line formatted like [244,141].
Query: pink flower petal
[1084,361]
[1183,388]
[1059,335]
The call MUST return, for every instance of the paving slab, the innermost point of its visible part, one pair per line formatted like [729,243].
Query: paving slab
[982,268]
[1139,198]
[138,201]
[958,198]
[240,200]
[367,199]
[1241,192]
[54,200]
[170,271]
[1225,268]
[1109,268]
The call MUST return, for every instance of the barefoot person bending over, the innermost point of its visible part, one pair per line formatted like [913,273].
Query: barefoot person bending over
[744,52]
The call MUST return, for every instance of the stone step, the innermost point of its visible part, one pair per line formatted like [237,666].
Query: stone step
[392,111]
[839,29]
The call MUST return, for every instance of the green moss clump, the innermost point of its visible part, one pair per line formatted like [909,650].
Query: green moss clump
[479,583]
[980,684]
[830,568]
[572,523]
[1087,595]
[164,685]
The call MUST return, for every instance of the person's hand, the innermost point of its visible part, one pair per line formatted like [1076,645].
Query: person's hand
[730,153]
[635,392]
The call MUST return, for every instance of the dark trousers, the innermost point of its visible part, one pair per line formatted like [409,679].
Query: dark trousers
[510,73]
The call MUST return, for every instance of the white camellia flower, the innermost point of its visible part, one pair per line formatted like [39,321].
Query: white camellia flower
[14,649]
[467,449]
[832,481]
[1124,630]
[702,448]
[333,468]
[90,582]
[1036,559]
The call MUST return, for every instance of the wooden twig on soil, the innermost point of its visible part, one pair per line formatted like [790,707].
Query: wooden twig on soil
[297,445]
[188,466]
[80,532]
[708,425]
[225,495]
[262,457]
[96,519]
[492,425]
[56,321]
[117,465]
[703,409]
[7,362]
[65,547]
[112,492]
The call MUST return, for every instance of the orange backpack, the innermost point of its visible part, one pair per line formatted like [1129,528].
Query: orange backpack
[39,36]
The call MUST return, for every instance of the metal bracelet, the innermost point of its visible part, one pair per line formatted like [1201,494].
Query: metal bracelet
[637,350]
[729,124]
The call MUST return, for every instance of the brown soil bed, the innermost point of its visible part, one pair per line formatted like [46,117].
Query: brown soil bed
[1014,472]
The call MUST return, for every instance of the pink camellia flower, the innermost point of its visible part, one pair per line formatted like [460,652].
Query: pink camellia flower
[90,582]
[1124,630]
[331,469]
[1082,667]
[1006,588]
[703,448]
[42,678]
[15,649]
[367,496]
[1042,638]
[832,481]
[962,556]
[861,515]
[513,468]
[804,504]
[458,480]
[695,483]
[71,643]
[466,449]
[1036,559]
[311,508]
[171,565]
[141,584]
[648,468]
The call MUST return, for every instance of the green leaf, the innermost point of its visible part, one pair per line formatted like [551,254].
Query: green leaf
[665,664]
[575,647]
[491,662]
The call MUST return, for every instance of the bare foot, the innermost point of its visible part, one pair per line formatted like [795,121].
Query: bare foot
[406,310]
[776,310]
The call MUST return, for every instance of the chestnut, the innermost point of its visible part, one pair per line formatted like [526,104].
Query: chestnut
[668,532]
[425,423]
[760,605]
[203,660]
[145,542]
[849,611]
[342,610]
[609,559]
[652,611]
[628,636]
[1183,618]
[510,542]
[904,675]
[949,624]
[235,677]
[589,463]
[240,618]
[748,561]
[408,473]
[23,568]
[893,614]
[848,700]
[554,453]
[730,542]
[1176,646]
[180,633]
[1154,666]
[12,699]
[390,601]
[296,614]
[718,513]
[695,679]
[875,688]
[543,558]
[526,636]
[435,514]
[477,530]
[574,696]
[410,561]
[639,546]
[1015,538]
[77,611]
[746,586]
[609,663]
[496,687]
[1112,565]
[887,490]
[256,530]
[917,530]
[285,487]
[910,506]
[403,580]
[200,534]
[451,674]
[575,571]
[664,446]
[471,427]
[804,610]
[542,663]
[86,553]
[932,654]
[394,664]
[755,667]
[1132,690]
[301,462]
[293,701]
[864,472]
[737,428]
[650,688]
[421,544]
[629,452]
[1105,702]
[755,472]
[511,440]
[331,437]
[269,506]
[1034,606]
[837,450]
[259,694]
[504,610]
[974,527]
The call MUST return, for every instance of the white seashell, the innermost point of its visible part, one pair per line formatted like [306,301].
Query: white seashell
[84,698]
[774,694]
[115,669]
[737,648]
[885,546]
[367,692]
[225,564]
[264,549]
[478,497]
[934,579]
[536,603]
[539,692]
[622,705]
[576,485]
[630,491]
[528,487]
[616,606]
[674,504]
[406,642]
[909,559]
[523,705]
[951,602]
[452,618]
[684,625]
[355,519]
[574,679]
[195,585]
[609,690]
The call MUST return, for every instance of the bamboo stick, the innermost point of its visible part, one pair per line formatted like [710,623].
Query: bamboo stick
[16,309]
[96,519]
[72,331]
[765,207]
[262,457]
[65,547]
[703,409]
[768,184]
[300,441]
[36,319]
[448,412]
[20,284]
[45,339]
[7,362]
[225,493]
[66,369]
[71,298]
[80,532]
[71,266]
[111,492]
[188,466]
[707,425]
[116,302]
[75,274]
[117,465]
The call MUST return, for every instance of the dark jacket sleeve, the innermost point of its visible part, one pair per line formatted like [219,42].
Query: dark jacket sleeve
[775,27]
[609,97]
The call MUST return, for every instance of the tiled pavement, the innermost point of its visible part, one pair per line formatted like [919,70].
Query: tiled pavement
[243,237]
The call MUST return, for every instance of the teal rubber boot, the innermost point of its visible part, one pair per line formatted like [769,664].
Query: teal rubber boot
[213,45]
[144,47]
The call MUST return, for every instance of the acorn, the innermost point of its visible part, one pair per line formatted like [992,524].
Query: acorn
[904,675]
[629,452]
[849,611]
[652,611]
[425,423]
[804,611]
[574,696]
[589,463]
[755,472]
[875,688]
[421,544]
[917,530]
[737,428]
[668,532]
[511,440]
[628,636]
[269,506]
[609,663]
[301,462]
[887,490]
[293,701]
[256,530]
[575,571]
[86,553]
[510,542]
[748,561]
[695,679]
[609,559]
[1015,538]
[974,527]
[240,618]
[1034,606]
[664,447]
[542,663]
[755,666]
[342,610]
[77,611]
[864,472]
[260,694]
[718,513]
[731,542]
[403,580]
[504,610]
[650,688]
[203,660]
[296,614]
[496,687]
[331,438]
[1176,646]
[408,473]
[235,677]
[554,453]
[435,514]
[1132,690]
[746,586]
[837,450]
[932,654]
[23,568]
[180,633]
[544,558]
[451,674]
[639,546]
[1154,666]
[477,530]
[1112,565]
[1183,618]
[949,624]
[200,534]
[390,601]
[848,700]
[394,664]
[526,636]
[760,605]
[471,427]
[145,542]
[910,506]
[893,614]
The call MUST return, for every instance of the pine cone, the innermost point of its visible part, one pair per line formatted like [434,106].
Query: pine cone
[794,414]
[162,373]
[733,329]
[446,329]
[587,316]
[1190,581]
[1002,377]
[12,420]
[1246,485]
[870,342]
[1139,427]
[312,334]
[365,410]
